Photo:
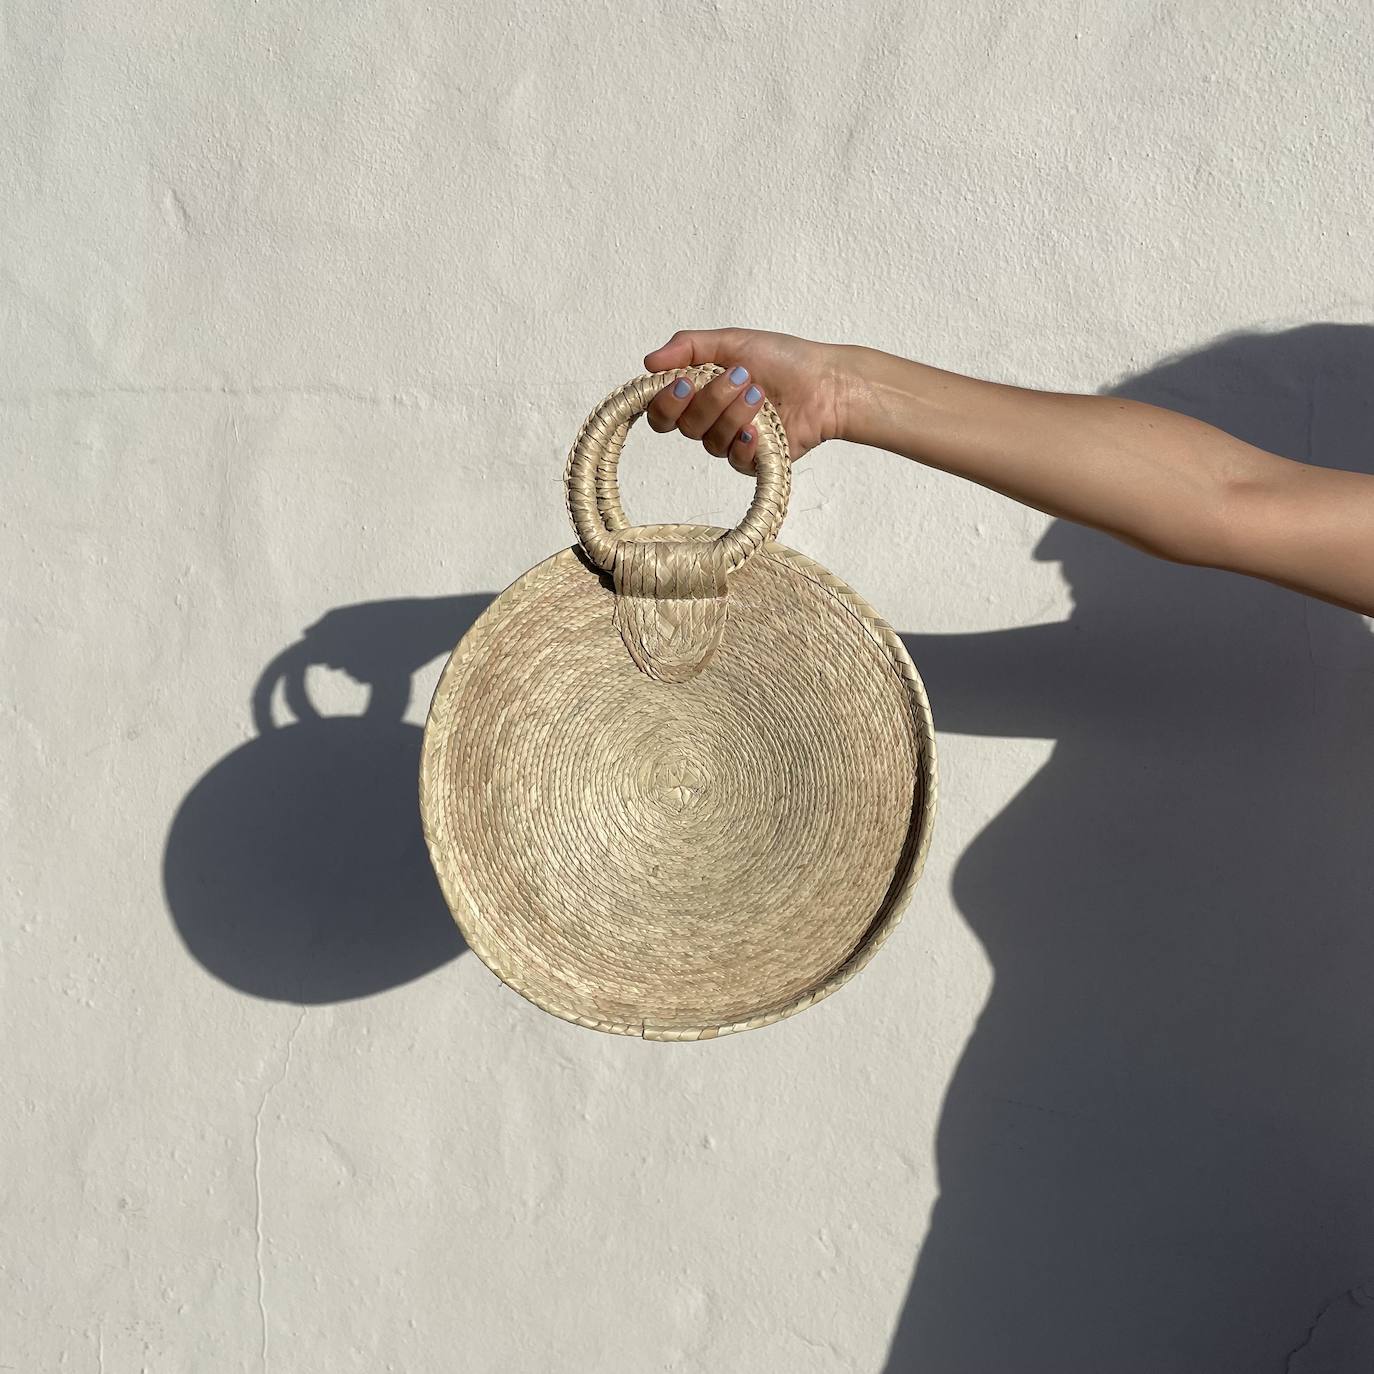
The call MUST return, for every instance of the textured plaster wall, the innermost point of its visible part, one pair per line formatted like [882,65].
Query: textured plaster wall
[300,307]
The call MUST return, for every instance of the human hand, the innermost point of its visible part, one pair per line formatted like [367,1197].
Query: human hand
[802,378]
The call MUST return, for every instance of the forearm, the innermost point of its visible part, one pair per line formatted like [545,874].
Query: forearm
[1159,480]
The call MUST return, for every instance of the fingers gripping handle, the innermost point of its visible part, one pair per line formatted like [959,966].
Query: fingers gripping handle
[670,594]
[591,475]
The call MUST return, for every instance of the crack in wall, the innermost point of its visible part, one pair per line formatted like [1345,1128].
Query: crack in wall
[1341,1335]
[1311,653]
[257,1182]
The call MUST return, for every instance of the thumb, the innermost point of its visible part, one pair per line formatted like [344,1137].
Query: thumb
[688,347]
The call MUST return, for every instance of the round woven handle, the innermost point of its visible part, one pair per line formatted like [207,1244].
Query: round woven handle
[593,490]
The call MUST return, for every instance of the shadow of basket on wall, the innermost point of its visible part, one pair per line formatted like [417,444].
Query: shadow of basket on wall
[295,869]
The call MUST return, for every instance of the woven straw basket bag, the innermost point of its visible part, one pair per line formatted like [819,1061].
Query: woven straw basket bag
[677,781]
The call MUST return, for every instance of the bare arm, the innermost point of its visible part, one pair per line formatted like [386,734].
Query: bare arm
[1169,484]
[1166,483]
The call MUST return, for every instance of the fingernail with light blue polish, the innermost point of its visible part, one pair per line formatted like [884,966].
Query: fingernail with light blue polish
[682,387]
[738,375]
[751,396]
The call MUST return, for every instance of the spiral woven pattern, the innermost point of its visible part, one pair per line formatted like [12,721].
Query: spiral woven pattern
[678,860]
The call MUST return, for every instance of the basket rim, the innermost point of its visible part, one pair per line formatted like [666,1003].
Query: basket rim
[911,863]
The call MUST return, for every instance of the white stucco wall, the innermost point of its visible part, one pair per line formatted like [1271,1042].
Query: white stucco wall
[300,308]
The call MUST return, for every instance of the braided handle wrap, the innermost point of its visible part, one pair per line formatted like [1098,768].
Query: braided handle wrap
[670,594]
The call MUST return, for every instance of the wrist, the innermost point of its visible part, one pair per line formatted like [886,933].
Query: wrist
[880,397]
[912,409]
[849,366]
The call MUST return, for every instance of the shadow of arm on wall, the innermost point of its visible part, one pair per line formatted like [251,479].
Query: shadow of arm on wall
[296,868]
[1022,683]
[1155,1151]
